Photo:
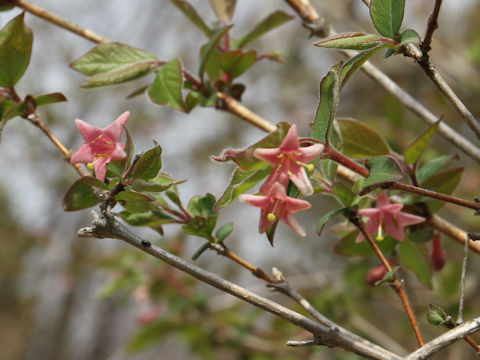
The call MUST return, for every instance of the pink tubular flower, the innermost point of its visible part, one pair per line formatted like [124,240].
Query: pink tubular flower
[289,161]
[388,217]
[277,205]
[101,145]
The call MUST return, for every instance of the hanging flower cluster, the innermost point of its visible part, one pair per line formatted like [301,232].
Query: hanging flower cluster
[289,162]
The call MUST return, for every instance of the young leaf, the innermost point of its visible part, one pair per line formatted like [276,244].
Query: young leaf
[382,169]
[272,21]
[236,62]
[241,182]
[416,149]
[167,87]
[149,186]
[223,231]
[327,107]
[343,193]
[15,50]
[387,16]
[409,36]
[210,47]
[351,40]
[413,259]
[351,66]
[132,196]
[360,140]
[190,12]
[94,182]
[110,56]
[432,167]
[149,164]
[224,9]
[325,218]
[443,182]
[204,216]
[50,98]
[79,196]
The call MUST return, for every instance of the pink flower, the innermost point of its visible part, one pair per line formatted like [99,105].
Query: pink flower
[277,205]
[437,255]
[289,161]
[388,217]
[101,145]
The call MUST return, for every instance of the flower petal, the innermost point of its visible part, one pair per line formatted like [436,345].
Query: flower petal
[270,156]
[118,153]
[83,155]
[115,129]
[293,224]
[254,200]
[309,153]
[300,179]
[100,169]
[89,132]
[291,140]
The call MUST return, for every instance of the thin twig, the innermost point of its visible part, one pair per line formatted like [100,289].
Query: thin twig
[223,250]
[445,340]
[396,284]
[462,281]
[36,120]
[57,20]
[452,231]
[425,46]
[109,227]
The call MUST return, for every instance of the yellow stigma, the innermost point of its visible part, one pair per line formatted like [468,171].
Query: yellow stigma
[380,235]
[271,217]
[90,166]
[309,167]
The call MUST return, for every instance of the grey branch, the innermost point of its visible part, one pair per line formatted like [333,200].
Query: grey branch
[446,339]
[109,227]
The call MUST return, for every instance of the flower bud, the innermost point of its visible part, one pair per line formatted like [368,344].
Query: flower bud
[437,255]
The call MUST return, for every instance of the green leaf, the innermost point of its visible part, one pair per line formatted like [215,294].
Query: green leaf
[121,74]
[325,218]
[224,9]
[15,50]
[110,56]
[347,246]
[204,216]
[413,259]
[443,182]
[113,170]
[200,251]
[360,140]
[132,196]
[382,169]
[190,12]
[149,186]
[167,87]
[193,99]
[329,168]
[432,167]
[149,164]
[151,334]
[343,193]
[79,196]
[272,21]
[234,63]
[387,16]
[94,182]
[202,206]
[241,182]
[223,231]
[327,107]
[16,41]
[351,66]
[210,47]
[416,149]
[6,7]
[389,53]
[409,36]
[351,40]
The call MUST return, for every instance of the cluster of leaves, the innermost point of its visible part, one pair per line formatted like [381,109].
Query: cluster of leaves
[16,40]
[221,61]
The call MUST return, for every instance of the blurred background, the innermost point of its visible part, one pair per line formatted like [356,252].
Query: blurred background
[69,298]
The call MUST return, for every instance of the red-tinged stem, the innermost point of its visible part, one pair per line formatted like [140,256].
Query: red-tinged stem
[396,284]
[330,153]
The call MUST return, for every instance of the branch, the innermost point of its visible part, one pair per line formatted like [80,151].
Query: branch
[452,231]
[432,26]
[446,339]
[108,227]
[396,284]
[36,120]
[401,95]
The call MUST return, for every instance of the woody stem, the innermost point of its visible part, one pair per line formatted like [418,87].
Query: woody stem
[396,284]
